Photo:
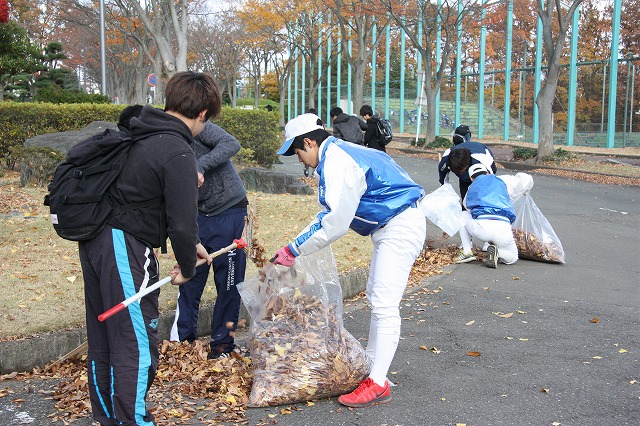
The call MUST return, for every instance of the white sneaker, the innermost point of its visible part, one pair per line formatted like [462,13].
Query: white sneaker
[465,257]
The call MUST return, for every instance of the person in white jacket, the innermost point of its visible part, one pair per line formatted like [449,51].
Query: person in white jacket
[365,190]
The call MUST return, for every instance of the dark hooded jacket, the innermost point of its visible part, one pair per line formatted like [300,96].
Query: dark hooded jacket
[349,128]
[372,136]
[161,166]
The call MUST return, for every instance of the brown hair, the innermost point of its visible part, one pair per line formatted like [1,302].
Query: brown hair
[189,93]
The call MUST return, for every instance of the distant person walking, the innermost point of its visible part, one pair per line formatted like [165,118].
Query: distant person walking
[347,127]
[372,136]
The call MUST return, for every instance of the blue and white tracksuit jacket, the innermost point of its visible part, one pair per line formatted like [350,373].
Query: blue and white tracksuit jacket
[488,198]
[359,188]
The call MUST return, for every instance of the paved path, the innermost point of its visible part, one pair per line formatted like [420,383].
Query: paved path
[546,364]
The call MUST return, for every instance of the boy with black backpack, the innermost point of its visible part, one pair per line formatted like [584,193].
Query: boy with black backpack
[120,260]
[373,137]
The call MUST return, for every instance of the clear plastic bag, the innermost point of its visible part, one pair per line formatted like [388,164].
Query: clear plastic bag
[518,184]
[443,208]
[533,233]
[299,348]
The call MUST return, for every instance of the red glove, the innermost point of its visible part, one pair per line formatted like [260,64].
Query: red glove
[284,257]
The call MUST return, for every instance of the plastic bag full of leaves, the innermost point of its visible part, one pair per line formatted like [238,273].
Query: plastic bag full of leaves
[299,348]
[534,236]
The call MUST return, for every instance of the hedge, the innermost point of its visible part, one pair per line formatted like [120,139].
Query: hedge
[257,131]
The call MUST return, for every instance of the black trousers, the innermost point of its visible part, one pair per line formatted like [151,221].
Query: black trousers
[123,350]
[229,268]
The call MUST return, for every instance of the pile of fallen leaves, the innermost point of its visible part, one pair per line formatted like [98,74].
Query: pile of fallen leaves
[431,262]
[187,386]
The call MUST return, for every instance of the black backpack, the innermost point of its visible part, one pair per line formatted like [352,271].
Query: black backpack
[78,199]
[384,129]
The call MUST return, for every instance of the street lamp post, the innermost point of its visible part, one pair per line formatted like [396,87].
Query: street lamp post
[103,51]
[522,85]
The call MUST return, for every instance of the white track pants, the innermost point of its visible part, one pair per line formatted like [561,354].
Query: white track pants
[496,232]
[395,249]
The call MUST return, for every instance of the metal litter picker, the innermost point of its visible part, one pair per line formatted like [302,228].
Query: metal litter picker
[240,244]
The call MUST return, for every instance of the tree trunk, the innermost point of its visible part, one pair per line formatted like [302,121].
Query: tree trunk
[545,123]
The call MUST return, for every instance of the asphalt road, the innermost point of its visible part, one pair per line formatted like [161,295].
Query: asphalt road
[550,363]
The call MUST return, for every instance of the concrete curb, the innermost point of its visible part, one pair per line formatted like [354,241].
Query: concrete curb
[37,351]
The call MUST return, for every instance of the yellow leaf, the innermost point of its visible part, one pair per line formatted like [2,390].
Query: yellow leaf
[310,404]
[471,322]
[13,250]
[509,315]
[72,278]
[285,411]
[423,347]
[281,350]
[443,399]
[271,416]
[522,339]
[623,351]
[435,350]
[509,338]
[231,399]
[596,357]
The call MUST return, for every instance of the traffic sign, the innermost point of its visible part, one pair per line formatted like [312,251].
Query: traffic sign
[151,79]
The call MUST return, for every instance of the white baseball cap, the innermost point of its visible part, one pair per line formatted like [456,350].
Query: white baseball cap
[300,125]
[477,168]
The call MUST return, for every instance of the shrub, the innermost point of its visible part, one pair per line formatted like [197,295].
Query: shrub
[21,121]
[561,155]
[440,142]
[524,153]
[419,143]
[256,130]
[58,95]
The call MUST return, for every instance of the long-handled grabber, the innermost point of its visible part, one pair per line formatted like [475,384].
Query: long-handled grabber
[240,244]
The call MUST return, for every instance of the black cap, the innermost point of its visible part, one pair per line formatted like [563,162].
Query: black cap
[463,130]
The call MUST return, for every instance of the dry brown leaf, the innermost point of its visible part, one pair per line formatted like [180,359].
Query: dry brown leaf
[473,353]
[595,320]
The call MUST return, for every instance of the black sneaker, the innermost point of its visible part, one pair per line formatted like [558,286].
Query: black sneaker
[216,355]
[492,260]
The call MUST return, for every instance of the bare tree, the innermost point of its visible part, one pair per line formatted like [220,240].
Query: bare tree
[555,25]
[167,23]
[216,48]
[443,20]
[357,20]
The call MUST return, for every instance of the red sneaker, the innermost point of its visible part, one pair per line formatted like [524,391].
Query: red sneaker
[368,393]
